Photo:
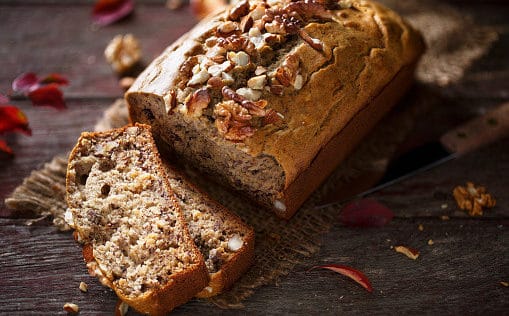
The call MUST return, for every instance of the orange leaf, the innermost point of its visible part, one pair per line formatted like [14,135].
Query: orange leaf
[13,119]
[352,273]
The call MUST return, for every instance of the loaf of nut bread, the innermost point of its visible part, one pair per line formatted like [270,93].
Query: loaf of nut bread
[270,96]
[134,235]
[225,241]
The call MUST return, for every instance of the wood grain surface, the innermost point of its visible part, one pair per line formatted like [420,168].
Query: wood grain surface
[40,268]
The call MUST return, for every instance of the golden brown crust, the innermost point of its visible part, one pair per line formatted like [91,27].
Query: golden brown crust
[181,286]
[364,48]
[337,149]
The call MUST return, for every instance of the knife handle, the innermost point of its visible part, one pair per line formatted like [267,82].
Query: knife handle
[479,131]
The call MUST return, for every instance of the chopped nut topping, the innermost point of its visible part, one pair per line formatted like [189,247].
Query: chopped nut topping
[83,287]
[123,52]
[272,117]
[239,10]
[250,94]
[257,82]
[246,23]
[215,83]
[247,34]
[313,42]
[473,199]
[198,101]
[199,78]
[71,308]
[260,70]
[420,227]
[238,59]
[287,72]
[430,242]
[444,217]
[233,121]
[506,284]
[170,101]
[276,89]
[409,252]
[227,28]
[299,82]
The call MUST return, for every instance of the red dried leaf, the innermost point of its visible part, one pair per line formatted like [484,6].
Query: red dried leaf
[202,8]
[48,95]
[13,119]
[25,83]
[352,273]
[4,99]
[5,148]
[109,11]
[365,213]
[55,78]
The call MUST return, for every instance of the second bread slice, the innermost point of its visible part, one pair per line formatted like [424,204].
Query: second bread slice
[225,241]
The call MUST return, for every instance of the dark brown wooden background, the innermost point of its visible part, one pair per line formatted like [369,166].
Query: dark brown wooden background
[40,269]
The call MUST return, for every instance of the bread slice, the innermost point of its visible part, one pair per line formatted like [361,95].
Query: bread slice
[269,97]
[225,241]
[124,212]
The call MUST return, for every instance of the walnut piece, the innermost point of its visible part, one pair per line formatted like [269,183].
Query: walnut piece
[409,252]
[71,308]
[199,100]
[473,199]
[83,287]
[233,121]
[123,52]
[287,72]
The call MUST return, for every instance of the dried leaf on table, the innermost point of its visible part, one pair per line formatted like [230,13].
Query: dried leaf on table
[48,95]
[365,213]
[25,83]
[350,272]
[13,119]
[55,78]
[106,12]
[4,99]
[5,148]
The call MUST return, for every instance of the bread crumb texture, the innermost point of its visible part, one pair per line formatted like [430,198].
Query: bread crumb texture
[213,230]
[120,206]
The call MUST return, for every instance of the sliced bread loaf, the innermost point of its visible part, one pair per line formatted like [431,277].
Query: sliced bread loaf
[269,97]
[124,212]
[225,241]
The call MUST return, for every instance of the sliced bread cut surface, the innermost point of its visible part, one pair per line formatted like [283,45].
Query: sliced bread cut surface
[225,241]
[124,212]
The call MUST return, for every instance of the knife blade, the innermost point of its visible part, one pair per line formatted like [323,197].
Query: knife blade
[456,142]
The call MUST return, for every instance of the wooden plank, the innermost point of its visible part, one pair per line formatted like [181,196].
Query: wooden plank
[460,272]
[429,194]
[68,43]
[53,133]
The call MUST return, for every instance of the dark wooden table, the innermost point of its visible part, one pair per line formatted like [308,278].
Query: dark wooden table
[40,268]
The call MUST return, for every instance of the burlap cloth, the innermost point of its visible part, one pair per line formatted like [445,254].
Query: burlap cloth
[280,245]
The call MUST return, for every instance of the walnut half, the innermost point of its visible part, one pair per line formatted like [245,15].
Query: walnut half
[473,199]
